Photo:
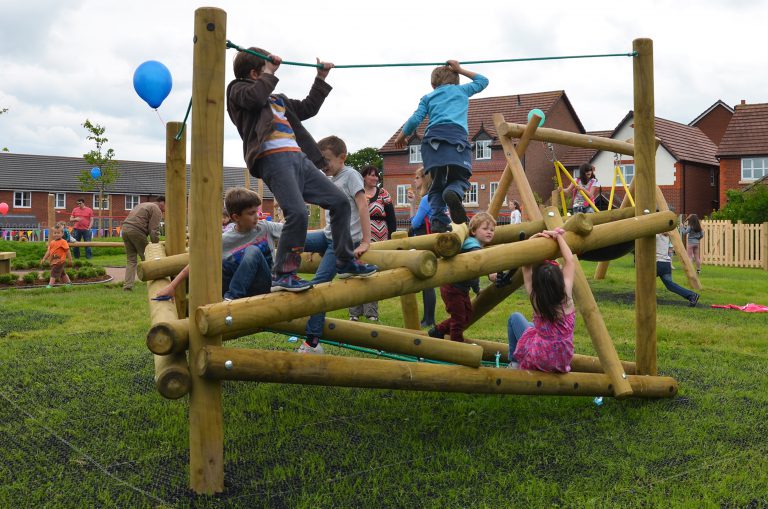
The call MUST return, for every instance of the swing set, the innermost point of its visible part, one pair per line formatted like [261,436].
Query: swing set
[560,171]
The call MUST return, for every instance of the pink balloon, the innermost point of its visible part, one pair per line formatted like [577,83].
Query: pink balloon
[3,208]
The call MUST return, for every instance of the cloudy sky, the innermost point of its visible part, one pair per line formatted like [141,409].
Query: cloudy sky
[64,62]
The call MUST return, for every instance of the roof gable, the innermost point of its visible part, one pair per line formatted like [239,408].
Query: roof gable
[683,142]
[718,104]
[59,174]
[515,109]
[747,133]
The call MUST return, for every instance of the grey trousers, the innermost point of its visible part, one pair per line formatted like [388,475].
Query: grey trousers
[295,181]
[369,309]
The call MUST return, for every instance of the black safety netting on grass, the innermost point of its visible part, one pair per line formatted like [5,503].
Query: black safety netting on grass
[89,429]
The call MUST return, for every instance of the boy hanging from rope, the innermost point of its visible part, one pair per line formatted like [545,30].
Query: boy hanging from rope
[445,149]
[279,150]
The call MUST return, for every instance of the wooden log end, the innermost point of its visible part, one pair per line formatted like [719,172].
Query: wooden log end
[173,382]
[161,339]
[448,244]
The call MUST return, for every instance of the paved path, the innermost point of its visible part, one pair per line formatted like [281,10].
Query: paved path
[117,273]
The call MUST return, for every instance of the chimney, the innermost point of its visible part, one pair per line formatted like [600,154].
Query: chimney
[743,101]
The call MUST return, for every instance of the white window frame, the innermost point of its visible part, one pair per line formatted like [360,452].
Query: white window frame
[471,193]
[401,200]
[753,168]
[20,198]
[624,172]
[95,202]
[712,177]
[482,150]
[494,186]
[414,154]
[133,198]
[60,204]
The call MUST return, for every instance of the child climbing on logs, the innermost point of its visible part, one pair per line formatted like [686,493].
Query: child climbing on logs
[456,295]
[278,149]
[247,249]
[547,343]
[445,148]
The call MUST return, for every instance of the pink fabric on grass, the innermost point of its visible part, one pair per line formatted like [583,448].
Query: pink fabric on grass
[747,308]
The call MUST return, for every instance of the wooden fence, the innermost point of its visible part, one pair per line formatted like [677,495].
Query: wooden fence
[735,245]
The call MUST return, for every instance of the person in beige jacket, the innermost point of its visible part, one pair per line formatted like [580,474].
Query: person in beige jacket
[143,220]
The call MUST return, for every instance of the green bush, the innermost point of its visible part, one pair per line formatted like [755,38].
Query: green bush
[749,206]
[100,271]
[46,275]
[7,279]
[30,277]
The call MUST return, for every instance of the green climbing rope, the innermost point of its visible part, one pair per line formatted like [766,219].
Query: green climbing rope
[230,44]
[184,124]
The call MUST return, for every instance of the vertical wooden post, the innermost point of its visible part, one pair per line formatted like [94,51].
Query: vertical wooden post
[645,200]
[51,213]
[247,180]
[764,247]
[408,303]
[176,202]
[206,435]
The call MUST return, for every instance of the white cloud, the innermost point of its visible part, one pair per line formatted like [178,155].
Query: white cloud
[64,62]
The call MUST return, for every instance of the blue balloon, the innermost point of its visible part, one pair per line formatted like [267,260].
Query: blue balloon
[152,81]
[539,113]
[95,172]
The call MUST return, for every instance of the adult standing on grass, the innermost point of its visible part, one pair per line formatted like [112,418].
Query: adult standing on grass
[383,224]
[81,230]
[143,220]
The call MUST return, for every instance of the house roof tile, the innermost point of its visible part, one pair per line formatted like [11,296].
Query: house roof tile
[515,109]
[686,143]
[747,134]
[59,174]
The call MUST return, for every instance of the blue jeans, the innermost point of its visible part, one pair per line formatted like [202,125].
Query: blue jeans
[664,271]
[250,276]
[84,236]
[317,242]
[445,179]
[516,325]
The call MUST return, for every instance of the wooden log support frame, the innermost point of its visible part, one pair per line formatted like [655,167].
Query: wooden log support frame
[214,321]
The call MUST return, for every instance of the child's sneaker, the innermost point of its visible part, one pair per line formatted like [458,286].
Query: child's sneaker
[373,318]
[354,268]
[694,299]
[305,348]
[49,286]
[354,318]
[289,283]
[434,333]
[455,207]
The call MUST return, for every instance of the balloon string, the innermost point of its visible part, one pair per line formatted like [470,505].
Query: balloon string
[161,118]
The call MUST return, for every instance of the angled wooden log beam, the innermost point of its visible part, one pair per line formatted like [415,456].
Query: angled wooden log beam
[511,130]
[507,176]
[677,243]
[221,363]
[263,310]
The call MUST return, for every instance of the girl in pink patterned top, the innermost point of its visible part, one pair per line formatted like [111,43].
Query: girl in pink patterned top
[547,343]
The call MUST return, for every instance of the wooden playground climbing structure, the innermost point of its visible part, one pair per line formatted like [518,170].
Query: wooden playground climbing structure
[190,358]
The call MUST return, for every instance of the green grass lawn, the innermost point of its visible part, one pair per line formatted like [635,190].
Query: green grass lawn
[81,424]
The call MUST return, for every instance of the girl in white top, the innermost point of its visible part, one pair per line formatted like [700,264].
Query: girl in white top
[515,217]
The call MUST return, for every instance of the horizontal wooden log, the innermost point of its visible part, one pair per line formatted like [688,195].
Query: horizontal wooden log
[422,264]
[568,138]
[263,310]
[221,363]
[161,267]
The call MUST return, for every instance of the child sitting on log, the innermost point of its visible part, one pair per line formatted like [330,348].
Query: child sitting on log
[547,343]
[247,249]
[456,295]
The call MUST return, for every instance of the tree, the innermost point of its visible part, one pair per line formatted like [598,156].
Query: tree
[4,110]
[749,206]
[102,159]
[365,156]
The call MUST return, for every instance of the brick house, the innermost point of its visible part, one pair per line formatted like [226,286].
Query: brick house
[714,121]
[743,150]
[686,166]
[26,181]
[488,162]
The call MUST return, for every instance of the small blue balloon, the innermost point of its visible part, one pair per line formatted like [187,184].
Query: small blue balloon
[152,81]
[95,172]
[539,113]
